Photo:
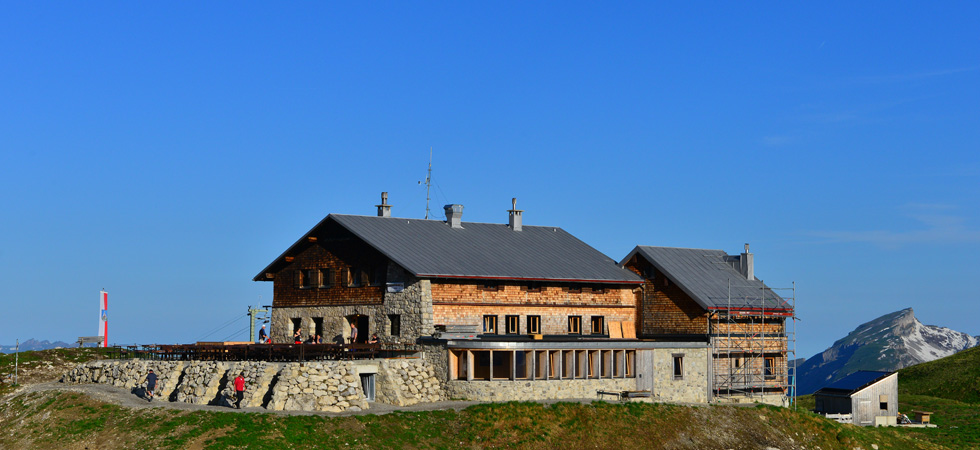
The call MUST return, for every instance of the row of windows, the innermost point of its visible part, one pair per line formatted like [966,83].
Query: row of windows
[353,277]
[538,287]
[512,324]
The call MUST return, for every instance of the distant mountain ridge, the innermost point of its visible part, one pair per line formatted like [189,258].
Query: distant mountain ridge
[33,344]
[890,342]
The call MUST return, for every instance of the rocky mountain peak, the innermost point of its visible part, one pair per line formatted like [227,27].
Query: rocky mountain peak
[890,342]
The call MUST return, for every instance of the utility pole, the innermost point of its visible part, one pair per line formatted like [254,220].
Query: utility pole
[16,360]
[428,184]
[252,317]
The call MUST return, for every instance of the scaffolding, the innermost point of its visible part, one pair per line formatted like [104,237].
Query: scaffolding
[753,348]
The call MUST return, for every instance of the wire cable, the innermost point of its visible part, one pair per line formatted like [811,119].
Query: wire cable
[237,333]
[226,325]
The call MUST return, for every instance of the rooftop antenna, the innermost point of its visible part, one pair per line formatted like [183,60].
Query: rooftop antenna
[428,184]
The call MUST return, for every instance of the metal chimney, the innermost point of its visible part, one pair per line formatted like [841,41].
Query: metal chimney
[454,215]
[745,261]
[384,209]
[515,215]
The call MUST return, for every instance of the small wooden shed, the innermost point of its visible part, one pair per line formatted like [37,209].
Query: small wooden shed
[864,394]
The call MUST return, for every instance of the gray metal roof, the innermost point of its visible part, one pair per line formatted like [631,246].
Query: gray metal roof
[709,279]
[433,249]
[857,381]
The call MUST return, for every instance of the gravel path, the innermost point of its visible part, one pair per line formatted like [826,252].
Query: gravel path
[124,397]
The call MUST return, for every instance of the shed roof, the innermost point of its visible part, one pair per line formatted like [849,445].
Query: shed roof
[856,381]
[433,249]
[709,279]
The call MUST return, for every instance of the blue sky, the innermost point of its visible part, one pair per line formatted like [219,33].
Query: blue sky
[168,152]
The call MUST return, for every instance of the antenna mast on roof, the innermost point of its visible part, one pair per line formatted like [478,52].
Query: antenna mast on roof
[428,184]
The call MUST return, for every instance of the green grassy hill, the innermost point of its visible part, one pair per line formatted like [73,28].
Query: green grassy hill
[956,377]
[56,420]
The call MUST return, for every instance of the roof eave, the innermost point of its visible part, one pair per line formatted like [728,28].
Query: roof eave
[565,280]
[302,239]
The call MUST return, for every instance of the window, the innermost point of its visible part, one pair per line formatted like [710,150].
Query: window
[318,326]
[883,401]
[513,324]
[597,324]
[598,290]
[490,286]
[378,276]
[490,324]
[678,366]
[326,278]
[353,276]
[533,324]
[770,368]
[396,324]
[297,324]
[574,324]
[304,278]
[533,286]
[575,289]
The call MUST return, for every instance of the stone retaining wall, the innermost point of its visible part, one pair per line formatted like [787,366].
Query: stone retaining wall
[332,386]
[404,382]
[328,386]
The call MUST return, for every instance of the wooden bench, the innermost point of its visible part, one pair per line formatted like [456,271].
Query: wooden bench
[624,396]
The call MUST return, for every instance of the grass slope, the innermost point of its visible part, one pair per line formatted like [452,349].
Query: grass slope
[55,420]
[49,420]
[955,377]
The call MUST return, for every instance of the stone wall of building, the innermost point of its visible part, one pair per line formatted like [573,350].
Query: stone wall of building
[692,387]
[405,382]
[500,391]
[336,327]
[412,304]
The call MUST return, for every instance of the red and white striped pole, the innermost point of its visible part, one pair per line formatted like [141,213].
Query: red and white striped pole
[103,318]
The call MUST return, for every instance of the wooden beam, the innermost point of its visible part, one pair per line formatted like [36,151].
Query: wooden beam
[289,259]
[311,238]
[270,275]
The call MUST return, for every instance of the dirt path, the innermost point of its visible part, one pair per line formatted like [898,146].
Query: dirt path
[124,397]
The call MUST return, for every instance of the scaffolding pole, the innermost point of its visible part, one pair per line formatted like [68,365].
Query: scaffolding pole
[743,364]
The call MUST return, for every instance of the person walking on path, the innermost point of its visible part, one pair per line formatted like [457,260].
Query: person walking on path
[239,390]
[151,385]
[262,334]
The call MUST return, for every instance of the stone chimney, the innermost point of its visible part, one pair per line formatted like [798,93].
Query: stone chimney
[384,209]
[515,215]
[454,215]
[745,261]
